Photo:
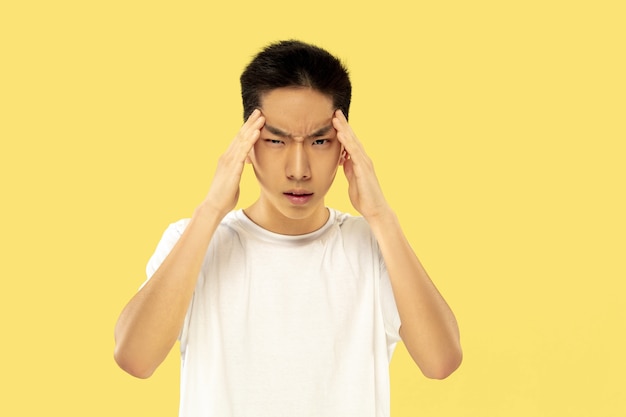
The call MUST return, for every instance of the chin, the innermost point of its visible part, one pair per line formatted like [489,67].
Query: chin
[298,213]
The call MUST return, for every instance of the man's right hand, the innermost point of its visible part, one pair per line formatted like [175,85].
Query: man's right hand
[152,320]
[224,192]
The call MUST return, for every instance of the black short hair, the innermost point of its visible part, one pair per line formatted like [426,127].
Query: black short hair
[294,63]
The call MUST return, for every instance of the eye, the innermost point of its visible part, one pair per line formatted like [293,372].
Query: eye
[274,142]
[321,142]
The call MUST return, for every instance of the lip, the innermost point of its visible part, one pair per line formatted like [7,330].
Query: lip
[298,197]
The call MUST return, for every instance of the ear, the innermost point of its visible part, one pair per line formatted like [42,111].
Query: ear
[342,156]
[250,157]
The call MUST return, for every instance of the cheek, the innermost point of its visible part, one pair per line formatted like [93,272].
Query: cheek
[329,164]
[336,155]
[264,160]
[257,156]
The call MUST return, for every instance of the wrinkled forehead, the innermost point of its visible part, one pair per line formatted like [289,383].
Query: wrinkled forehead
[296,112]
[324,131]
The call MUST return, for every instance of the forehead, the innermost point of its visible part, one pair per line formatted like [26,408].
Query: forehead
[297,111]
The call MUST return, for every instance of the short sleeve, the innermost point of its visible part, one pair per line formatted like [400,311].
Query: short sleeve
[360,241]
[167,242]
[388,306]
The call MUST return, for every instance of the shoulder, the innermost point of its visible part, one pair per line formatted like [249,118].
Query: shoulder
[171,235]
[358,243]
[355,230]
[224,232]
[352,225]
[173,232]
[230,221]
[177,228]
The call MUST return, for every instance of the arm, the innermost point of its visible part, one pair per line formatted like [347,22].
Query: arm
[150,323]
[429,329]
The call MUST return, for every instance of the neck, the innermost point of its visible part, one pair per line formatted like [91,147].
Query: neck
[274,221]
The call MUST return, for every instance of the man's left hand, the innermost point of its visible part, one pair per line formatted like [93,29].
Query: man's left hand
[364,190]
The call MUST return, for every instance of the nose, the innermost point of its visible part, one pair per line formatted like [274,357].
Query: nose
[297,167]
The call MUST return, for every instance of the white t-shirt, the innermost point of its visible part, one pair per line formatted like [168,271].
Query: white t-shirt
[288,326]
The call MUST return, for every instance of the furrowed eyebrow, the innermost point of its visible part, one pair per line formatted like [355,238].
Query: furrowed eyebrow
[275,131]
[318,133]
[321,132]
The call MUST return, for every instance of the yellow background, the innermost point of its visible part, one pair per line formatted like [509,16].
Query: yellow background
[497,129]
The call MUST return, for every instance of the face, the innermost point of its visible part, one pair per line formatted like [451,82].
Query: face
[295,160]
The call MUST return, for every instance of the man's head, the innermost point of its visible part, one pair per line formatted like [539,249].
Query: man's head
[294,64]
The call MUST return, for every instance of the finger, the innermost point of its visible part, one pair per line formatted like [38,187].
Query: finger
[253,116]
[339,114]
[341,125]
[346,135]
[340,122]
[255,131]
[248,134]
[255,122]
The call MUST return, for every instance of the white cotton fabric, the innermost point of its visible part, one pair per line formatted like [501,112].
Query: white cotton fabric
[287,325]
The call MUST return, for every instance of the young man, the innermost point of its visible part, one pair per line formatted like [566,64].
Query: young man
[287,307]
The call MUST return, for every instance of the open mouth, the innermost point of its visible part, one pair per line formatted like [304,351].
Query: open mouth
[298,198]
